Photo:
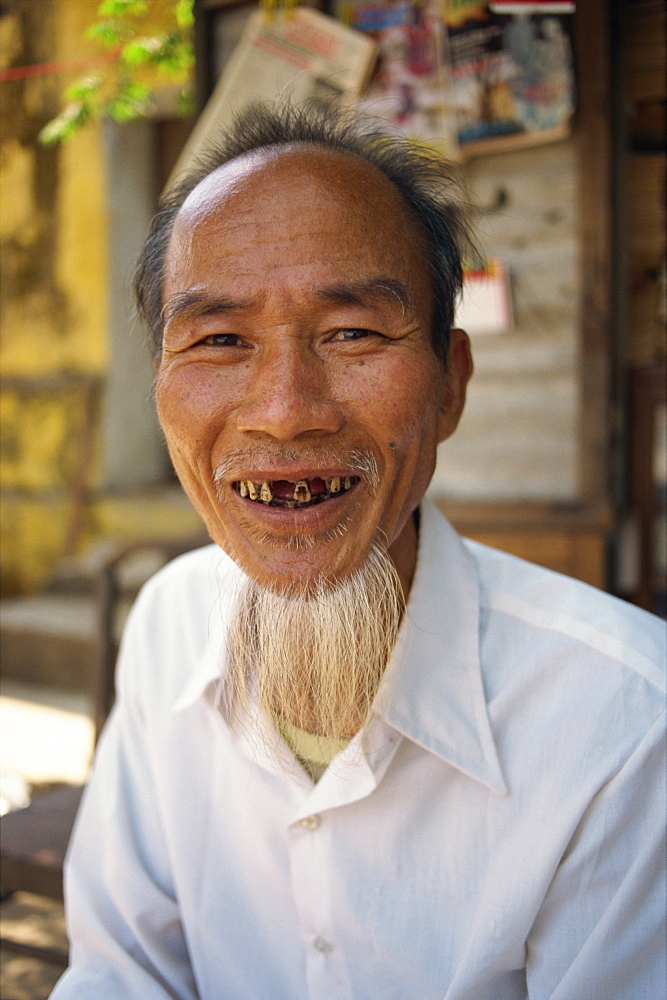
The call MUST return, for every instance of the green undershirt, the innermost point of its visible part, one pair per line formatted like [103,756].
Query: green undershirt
[313,752]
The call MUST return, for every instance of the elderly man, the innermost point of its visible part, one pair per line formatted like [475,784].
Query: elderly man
[353,757]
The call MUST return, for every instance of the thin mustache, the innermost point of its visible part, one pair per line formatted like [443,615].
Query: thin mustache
[363,462]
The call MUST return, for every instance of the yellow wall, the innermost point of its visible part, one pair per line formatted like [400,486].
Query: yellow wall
[53,205]
[53,335]
[54,239]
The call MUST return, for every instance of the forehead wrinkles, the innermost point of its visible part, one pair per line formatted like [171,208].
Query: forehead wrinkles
[266,182]
[322,206]
[241,252]
[265,219]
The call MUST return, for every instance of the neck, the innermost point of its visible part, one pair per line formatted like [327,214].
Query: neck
[403,552]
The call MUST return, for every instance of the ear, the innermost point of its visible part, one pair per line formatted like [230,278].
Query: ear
[457,372]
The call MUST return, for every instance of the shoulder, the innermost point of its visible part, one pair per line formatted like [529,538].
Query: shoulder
[176,625]
[194,577]
[183,599]
[561,611]
[570,673]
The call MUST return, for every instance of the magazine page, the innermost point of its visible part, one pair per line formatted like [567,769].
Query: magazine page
[410,86]
[512,71]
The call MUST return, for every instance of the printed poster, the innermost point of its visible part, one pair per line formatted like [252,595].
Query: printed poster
[410,86]
[512,71]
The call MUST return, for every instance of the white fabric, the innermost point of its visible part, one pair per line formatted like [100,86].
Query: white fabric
[498,837]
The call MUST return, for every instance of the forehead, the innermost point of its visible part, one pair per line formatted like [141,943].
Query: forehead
[289,209]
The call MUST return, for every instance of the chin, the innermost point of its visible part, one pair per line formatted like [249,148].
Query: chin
[297,563]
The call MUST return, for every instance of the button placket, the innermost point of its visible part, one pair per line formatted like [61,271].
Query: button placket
[313,883]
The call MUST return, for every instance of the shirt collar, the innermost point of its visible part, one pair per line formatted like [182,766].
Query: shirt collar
[207,673]
[433,691]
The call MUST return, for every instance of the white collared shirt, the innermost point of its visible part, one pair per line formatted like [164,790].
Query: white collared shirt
[497,836]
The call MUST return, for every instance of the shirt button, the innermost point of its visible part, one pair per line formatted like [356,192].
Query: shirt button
[311,822]
[322,945]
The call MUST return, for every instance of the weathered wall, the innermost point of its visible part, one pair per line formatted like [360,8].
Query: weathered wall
[53,244]
[518,435]
[77,419]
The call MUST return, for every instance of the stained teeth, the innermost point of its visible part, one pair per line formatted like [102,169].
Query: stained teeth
[302,491]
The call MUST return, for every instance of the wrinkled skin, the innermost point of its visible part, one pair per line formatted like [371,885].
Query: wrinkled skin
[298,311]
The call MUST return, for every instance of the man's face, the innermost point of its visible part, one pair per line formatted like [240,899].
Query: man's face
[298,303]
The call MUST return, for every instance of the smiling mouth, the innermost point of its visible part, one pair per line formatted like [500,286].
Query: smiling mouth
[301,493]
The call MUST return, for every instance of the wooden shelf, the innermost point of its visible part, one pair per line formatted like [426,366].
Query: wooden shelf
[567,538]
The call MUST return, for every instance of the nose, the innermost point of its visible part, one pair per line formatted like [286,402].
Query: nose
[289,395]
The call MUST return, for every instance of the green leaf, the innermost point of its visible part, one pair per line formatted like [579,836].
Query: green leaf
[83,88]
[185,13]
[171,52]
[138,52]
[175,56]
[131,92]
[105,33]
[122,8]
[130,102]
[70,120]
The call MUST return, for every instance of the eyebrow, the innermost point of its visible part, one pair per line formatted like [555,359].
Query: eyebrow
[359,293]
[196,302]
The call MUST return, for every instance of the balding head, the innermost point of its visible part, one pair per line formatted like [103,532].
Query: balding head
[421,178]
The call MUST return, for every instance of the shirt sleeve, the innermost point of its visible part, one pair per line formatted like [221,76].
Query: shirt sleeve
[123,918]
[601,929]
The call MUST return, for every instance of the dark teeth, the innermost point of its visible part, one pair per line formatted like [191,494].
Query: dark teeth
[262,492]
[302,492]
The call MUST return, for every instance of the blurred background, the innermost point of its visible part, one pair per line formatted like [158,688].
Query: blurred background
[556,117]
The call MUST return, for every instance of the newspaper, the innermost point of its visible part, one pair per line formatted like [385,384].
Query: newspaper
[300,53]
[410,86]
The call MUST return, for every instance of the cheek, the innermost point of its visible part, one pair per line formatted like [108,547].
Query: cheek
[411,427]
[399,405]
[190,407]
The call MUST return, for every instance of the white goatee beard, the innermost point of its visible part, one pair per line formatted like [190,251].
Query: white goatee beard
[315,658]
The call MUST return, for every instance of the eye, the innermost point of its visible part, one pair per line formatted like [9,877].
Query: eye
[352,333]
[222,340]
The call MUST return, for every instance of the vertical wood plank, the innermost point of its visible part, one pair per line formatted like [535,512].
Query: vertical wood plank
[594,143]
